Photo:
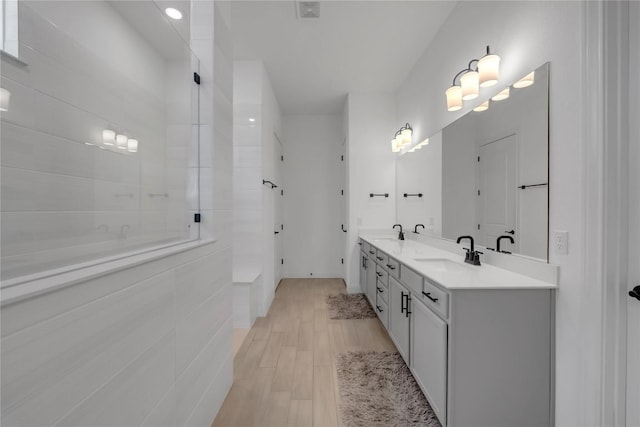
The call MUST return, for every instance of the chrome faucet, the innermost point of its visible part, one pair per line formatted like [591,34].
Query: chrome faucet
[400,234]
[498,243]
[415,229]
[472,256]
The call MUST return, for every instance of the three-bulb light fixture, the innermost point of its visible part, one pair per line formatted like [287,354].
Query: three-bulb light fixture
[119,141]
[483,72]
[403,139]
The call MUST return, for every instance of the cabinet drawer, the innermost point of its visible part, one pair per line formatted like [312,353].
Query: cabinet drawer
[382,311]
[369,250]
[382,258]
[382,290]
[382,275]
[435,298]
[393,267]
[411,279]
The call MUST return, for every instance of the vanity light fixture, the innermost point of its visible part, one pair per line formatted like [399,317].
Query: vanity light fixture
[482,107]
[5,96]
[483,72]
[525,81]
[121,141]
[402,138]
[503,94]
[108,137]
[173,13]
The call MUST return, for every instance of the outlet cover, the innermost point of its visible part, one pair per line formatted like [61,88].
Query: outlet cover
[560,242]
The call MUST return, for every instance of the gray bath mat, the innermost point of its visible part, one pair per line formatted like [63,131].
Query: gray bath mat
[377,389]
[349,306]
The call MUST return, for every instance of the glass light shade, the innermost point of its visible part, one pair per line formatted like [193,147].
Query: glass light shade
[108,137]
[482,107]
[489,70]
[454,98]
[121,141]
[470,82]
[132,145]
[525,81]
[504,94]
[406,136]
[394,146]
[5,96]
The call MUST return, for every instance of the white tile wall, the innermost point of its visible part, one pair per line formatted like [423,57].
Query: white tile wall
[64,97]
[148,345]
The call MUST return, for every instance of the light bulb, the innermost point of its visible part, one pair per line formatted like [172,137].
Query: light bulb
[470,85]
[173,13]
[108,137]
[504,94]
[489,70]
[525,81]
[132,145]
[121,142]
[454,98]
[482,107]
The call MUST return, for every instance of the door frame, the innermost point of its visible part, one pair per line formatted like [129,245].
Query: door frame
[605,174]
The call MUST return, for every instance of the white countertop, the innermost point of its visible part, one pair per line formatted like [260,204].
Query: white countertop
[463,276]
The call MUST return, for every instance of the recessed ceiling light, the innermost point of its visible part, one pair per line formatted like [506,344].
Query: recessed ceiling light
[173,13]
[252,120]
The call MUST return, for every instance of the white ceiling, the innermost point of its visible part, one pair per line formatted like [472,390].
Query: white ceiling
[167,36]
[355,46]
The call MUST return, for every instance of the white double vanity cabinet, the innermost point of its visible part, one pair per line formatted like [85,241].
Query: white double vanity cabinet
[478,339]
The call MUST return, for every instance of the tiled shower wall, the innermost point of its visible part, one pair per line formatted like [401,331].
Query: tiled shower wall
[64,199]
[150,344]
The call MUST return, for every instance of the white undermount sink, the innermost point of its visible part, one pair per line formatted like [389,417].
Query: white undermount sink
[443,264]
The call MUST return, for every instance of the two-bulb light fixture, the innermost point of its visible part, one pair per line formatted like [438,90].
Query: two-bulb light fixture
[483,72]
[402,138]
[120,141]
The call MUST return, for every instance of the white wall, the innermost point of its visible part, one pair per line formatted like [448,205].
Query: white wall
[526,35]
[372,169]
[421,172]
[145,345]
[313,205]
[254,203]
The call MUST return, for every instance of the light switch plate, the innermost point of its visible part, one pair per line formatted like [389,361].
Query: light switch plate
[560,242]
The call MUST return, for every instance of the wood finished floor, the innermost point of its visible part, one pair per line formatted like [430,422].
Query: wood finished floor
[284,372]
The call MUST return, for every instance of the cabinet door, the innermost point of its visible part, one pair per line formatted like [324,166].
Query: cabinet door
[363,272]
[399,317]
[371,281]
[429,356]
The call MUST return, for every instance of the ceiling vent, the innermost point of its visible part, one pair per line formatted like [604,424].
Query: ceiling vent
[308,10]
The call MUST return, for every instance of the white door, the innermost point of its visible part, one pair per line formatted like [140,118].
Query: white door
[633,304]
[497,193]
[278,227]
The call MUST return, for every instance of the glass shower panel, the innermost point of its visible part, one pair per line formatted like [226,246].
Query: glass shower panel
[99,144]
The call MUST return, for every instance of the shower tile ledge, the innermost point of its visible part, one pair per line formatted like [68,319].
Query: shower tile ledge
[19,289]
